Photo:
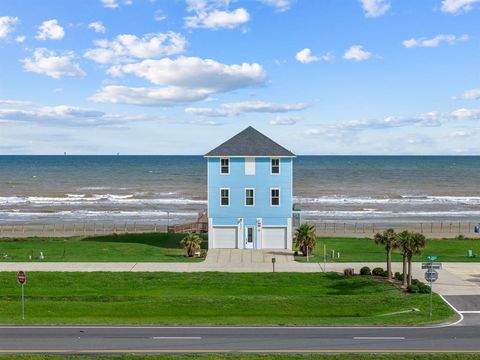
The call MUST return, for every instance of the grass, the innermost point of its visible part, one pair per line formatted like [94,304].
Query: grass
[453,356]
[213,299]
[365,250]
[155,247]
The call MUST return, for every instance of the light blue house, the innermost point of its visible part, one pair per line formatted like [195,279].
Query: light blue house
[250,193]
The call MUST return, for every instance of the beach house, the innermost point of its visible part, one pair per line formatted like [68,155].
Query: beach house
[250,193]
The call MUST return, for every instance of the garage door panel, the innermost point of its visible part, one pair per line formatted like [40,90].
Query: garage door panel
[274,238]
[225,237]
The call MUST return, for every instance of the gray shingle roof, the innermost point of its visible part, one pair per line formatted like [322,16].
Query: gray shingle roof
[250,142]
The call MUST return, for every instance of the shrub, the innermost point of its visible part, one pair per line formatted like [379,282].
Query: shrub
[378,272]
[295,253]
[416,282]
[365,271]
[424,289]
[413,289]
[460,237]
[399,276]
[349,272]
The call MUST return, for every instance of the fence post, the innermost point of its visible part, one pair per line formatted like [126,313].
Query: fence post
[450,227]
[373,228]
[421,228]
[431,227]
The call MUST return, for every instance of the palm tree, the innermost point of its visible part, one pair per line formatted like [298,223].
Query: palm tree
[417,244]
[191,243]
[306,238]
[389,240]
[404,243]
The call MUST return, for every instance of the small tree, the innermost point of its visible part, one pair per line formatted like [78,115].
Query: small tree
[417,244]
[191,243]
[306,239]
[404,243]
[389,239]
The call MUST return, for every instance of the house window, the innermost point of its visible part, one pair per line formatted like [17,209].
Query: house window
[249,197]
[225,166]
[224,197]
[275,197]
[249,166]
[275,166]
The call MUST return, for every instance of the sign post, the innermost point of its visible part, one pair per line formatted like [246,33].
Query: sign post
[431,275]
[22,279]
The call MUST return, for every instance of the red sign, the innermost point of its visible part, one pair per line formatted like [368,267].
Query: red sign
[21,277]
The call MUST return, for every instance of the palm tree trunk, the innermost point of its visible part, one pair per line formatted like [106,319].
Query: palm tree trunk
[389,264]
[404,281]
[409,270]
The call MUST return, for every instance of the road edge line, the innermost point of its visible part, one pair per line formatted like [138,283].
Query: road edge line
[454,309]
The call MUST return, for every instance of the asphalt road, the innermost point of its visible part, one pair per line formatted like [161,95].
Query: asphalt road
[464,336]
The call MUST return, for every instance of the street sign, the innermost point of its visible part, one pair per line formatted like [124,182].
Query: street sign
[432,257]
[431,276]
[21,277]
[431,265]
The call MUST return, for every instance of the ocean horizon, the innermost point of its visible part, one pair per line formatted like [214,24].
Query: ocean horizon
[159,188]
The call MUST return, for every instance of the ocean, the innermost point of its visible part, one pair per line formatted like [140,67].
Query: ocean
[161,189]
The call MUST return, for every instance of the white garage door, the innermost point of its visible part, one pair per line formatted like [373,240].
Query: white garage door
[274,238]
[225,237]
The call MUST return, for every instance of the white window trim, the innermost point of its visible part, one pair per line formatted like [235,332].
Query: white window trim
[279,167]
[279,197]
[224,188]
[245,197]
[220,169]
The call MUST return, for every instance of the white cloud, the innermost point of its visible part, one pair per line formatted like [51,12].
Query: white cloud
[374,8]
[7,25]
[465,114]
[56,66]
[20,39]
[195,73]
[235,109]
[356,53]
[280,5]
[97,26]
[457,6]
[460,134]
[214,14]
[435,41]
[165,96]
[113,4]
[50,30]
[125,47]
[159,15]
[305,56]
[284,120]
[473,94]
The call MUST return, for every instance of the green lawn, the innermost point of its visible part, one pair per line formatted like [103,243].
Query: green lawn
[251,357]
[153,247]
[212,298]
[365,250]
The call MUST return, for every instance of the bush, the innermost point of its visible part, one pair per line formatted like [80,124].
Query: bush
[365,271]
[399,276]
[424,289]
[413,289]
[416,282]
[378,272]
[349,272]
[460,237]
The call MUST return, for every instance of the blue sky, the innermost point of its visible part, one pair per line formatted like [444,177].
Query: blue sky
[180,76]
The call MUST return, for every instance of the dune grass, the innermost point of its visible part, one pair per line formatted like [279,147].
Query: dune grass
[154,247]
[213,298]
[365,250]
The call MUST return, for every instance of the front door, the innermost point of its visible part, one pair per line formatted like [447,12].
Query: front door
[249,237]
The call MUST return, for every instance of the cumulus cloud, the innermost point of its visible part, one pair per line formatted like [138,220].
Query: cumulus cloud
[457,6]
[165,96]
[64,115]
[214,14]
[7,25]
[305,56]
[374,8]
[50,30]
[126,48]
[235,109]
[284,120]
[97,26]
[54,65]
[113,4]
[356,53]
[430,119]
[280,5]
[435,41]
[473,94]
